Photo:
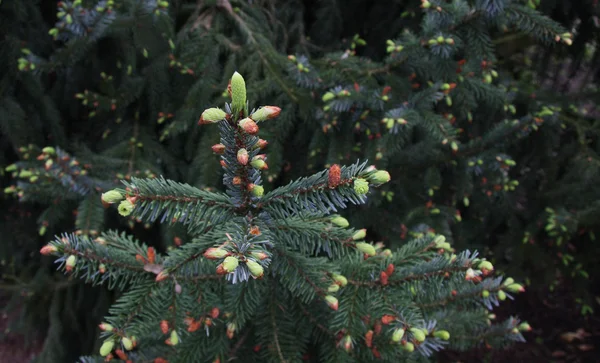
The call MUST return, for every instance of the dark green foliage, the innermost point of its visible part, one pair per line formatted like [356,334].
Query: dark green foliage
[121,91]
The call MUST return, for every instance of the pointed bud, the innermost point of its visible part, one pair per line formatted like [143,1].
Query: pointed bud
[379,177]
[265,113]
[49,150]
[112,196]
[260,255]
[262,143]
[238,92]
[333,288]
[125,208]
[71,261]
[360,234]
[524,327]
[255,268]
[106,327]
[328,96]
[418,334]
[48,249]
[230,263]
[173,338]
[107,347]
[347,343]
[515,288]
[259,164]
[369,338]
[509,281]
[383,278]
[340,280]
[361,186]
[366,248]
[218,149]
[331,301]
[214,253]
[212,115]
[442,334]
[242,156]
[231,328]
[397,335]
[162,275]
[249,126]
[127,343]
[340,221]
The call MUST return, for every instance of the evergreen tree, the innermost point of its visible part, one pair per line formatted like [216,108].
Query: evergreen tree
[273,276]
[111,90]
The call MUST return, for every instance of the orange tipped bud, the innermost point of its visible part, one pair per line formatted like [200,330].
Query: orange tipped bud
[218,149]
[331,301]
[48,249]
[249,126]
[242,156]
[262,143]
[162,275]
[265,113]
[215,253]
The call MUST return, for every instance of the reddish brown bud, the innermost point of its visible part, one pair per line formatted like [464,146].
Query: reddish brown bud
[164,326]
[236,180]
[369,338]
[390,269]
[48,249]
[383,277]
[386,319]
[242,156]
[334,176]
[262,143]
[218,149]
[249,126]
[214,313]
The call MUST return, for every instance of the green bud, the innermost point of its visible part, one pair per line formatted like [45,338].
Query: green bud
[258,164]
[409,347]
[174,338]
[442,334]
[258,190]
[501,295]
[524,327]
[332,302]
[485,293]
[11,167]
[230,263]
[508,281]
[328,96]
[107,347]
[127,343]
[487,265]
[265,113]
[340,280]
[125,208]
[238,92]
[112,196]
[333,288]
[366,248]
[360,234]
[49,150]
[212,115]
[515,288]
[361,186]
[379,177]
[255,268]
[418,334]
[397,335]
[340,221]
[71,261]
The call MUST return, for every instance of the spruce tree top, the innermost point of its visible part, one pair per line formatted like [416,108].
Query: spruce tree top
[276,276]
